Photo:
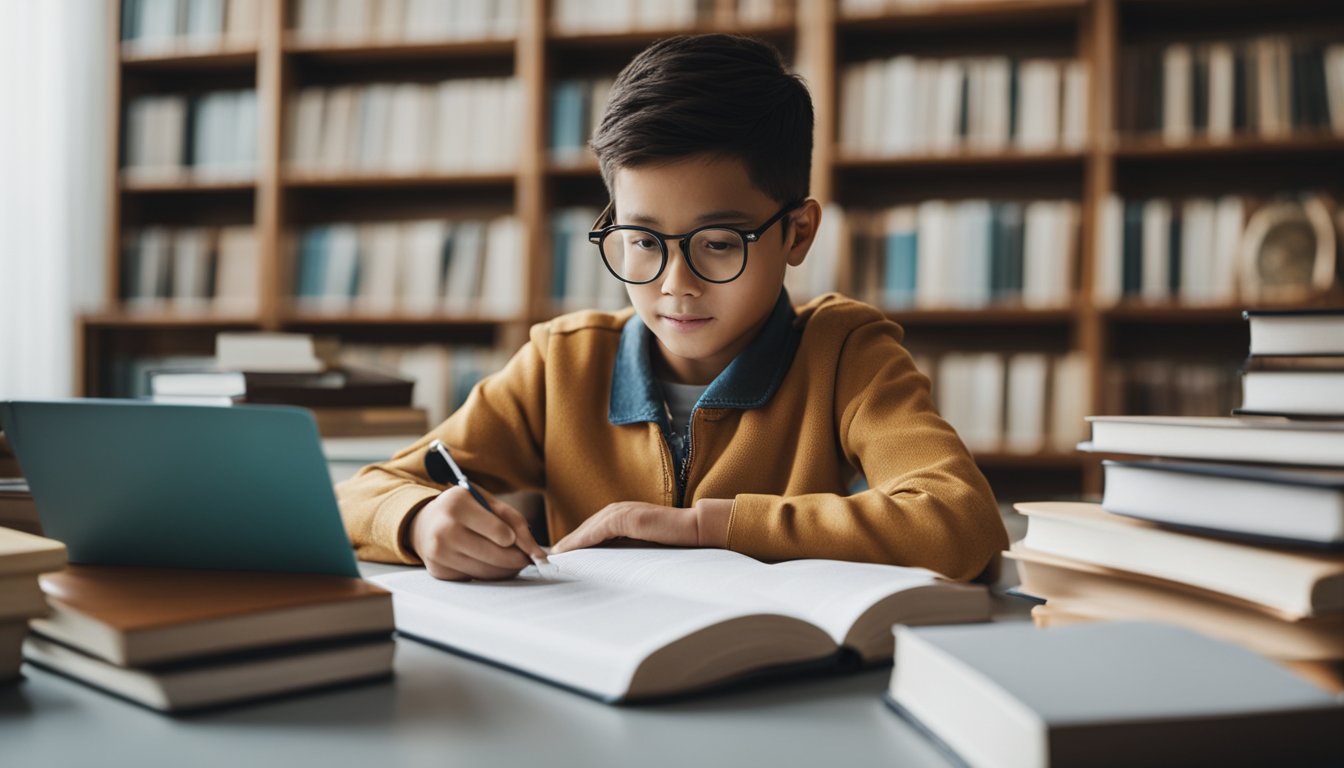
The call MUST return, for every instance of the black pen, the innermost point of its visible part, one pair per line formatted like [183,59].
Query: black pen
[465,484]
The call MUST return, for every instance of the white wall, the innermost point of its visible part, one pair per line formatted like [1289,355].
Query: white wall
[54,185]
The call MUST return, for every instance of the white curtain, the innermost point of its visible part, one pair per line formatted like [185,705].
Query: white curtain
[55,121]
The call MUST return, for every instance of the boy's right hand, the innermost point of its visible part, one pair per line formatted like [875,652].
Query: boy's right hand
[459,540]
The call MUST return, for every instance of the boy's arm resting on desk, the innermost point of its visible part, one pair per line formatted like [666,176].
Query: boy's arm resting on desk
[928,504]
[495,436]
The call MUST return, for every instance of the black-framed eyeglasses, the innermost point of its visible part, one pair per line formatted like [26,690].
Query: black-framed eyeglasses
[715,253]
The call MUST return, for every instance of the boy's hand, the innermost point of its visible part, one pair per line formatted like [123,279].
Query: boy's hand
[704,525]
[459,540]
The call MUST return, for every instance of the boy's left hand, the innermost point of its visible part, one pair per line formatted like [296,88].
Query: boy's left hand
[704,525]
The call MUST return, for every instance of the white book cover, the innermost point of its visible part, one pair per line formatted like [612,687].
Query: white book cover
[924,105]
[505,22]
[1177,93]
[1024,420]
[898,122]
[1222,84]
[157,25]
[869,109]
[1229,226]
[191,269]
[932,270]
[1073,130]
[375,110]
[338,274]
[1198,222]
[849,121]
[997,105]
[584,265]
[947,105]
[389,18]
[1042,250]
[986,403]
[242,160]
[307,123]
[1069,402]
[154,268]
[236,276]
[315,19]
[1038,108]
[466,266]
[338,128]
[351,21]
[451,125]
[379,267]
[1156,249]
[971,288]
[1108,278]
[422,276]
[242,24]
[204,28]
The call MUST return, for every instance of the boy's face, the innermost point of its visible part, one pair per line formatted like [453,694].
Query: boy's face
[701,326]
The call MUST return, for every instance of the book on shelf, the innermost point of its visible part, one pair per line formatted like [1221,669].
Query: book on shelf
[142,617]
[270,352]
[1271,86]
[579,279]
[429,267]
[1296,332]
[1184,385]
[1009,694]
[342,387]
[1022,402]
[208,137]
[1292,582]
[394,22]
[222,681]
[1220,438]
[1307,504]
[819,273]
[908,105]
[578,17]
[443,376]
[190,271]
[1075,591]
[965,254]
[453,126]
[576,107]
[623,624]
[166,27]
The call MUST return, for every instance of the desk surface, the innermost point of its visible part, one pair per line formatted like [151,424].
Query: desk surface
[446,710]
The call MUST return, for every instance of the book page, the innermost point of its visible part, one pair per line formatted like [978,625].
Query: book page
[590,635]
[829,593]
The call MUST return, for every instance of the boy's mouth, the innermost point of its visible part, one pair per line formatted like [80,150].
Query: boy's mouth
[685,322]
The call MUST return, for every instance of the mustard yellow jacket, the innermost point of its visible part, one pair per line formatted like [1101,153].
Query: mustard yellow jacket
[822,395]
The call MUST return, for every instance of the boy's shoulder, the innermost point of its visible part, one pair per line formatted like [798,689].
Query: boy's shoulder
[833,314]
[584,322]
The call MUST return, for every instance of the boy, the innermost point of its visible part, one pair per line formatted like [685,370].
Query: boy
[715,415]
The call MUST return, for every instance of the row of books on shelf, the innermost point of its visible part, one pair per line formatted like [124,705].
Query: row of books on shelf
[1216,250]
[1020,403]
[466,267]
[954,254]
[459,125]
[912,105]
[1270,86]
[210,136]
[613,16]
[165,27]
[1167,386]
[577,105]
[391,22]
[190,270]
[579,279]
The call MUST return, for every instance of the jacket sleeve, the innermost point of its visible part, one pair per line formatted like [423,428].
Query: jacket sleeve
[496,437]
[928,504]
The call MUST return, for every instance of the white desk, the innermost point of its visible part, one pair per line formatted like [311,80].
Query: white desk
[444,710]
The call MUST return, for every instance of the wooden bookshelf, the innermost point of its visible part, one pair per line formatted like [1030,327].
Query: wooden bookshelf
[820,41]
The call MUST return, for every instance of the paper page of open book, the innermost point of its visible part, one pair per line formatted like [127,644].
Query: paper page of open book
[831,594]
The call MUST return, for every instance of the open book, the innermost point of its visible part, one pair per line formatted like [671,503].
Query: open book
[622,624]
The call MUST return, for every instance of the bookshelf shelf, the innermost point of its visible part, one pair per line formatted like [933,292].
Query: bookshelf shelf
[186,185]
[195,60]
[375,181]
[350,52]
[286,201]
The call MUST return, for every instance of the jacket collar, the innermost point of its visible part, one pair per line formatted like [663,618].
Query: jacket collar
[749,381]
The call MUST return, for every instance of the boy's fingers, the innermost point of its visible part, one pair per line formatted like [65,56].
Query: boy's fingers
[478,569]
[594,530]
[518,523]
[483,550]
[474,517]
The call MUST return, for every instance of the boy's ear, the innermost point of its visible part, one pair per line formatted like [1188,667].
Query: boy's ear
[803,231]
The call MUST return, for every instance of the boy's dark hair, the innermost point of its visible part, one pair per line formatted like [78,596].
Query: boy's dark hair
[720,94]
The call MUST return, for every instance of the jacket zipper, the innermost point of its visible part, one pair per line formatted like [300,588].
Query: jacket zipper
[685,470]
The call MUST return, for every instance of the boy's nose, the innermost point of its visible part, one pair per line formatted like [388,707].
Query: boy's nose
[678,279]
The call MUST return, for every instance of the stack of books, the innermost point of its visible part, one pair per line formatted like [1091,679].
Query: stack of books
[177,639]
[22,558]
[296,369]
[17,509]
[1237,530]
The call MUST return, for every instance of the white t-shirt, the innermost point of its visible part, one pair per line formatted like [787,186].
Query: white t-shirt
[681,400]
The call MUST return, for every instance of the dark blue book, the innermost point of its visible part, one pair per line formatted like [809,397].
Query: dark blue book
[1132,249]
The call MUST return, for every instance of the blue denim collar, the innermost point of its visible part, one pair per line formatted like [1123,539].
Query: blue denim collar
[749,381]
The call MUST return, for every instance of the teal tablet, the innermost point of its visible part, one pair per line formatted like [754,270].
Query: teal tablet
[127,482]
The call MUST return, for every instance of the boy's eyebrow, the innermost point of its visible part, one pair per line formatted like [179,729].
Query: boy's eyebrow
[718,217]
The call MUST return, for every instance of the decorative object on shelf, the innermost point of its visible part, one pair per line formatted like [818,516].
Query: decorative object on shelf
[1288,252]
